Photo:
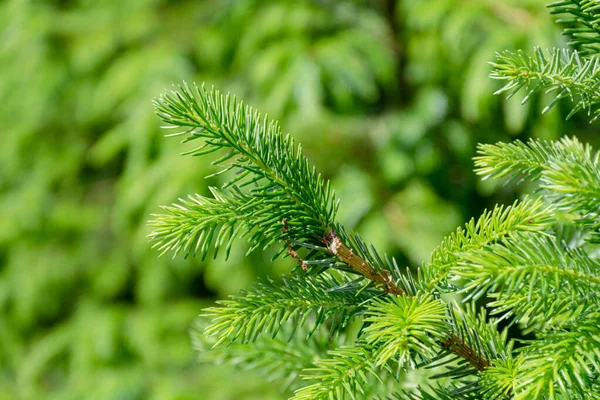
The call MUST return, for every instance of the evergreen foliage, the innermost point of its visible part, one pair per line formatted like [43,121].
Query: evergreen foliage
[270,305]
[567,171]
[275,171]
[512,260]
[281,358]
[581,18]
[348,371]
[405,329]
[561,72]
[388,99]
[491,227]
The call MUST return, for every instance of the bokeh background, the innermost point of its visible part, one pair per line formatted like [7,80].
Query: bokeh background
[389,99]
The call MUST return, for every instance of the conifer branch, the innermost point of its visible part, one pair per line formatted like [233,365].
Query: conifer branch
[476,339]
[269,168]
[390,343]
[281,358]
[405,329]
[508,254]
[546,310]
[192,225]
[533,280]
[475,347]
[499,381]
[562,363]
[347,256]
[567,169]
[347,370]
[436,393]
[504,266]
[581,18]
[271,304]
[562,72]
[459,347]
[501,222]
[452,342]
[517,161]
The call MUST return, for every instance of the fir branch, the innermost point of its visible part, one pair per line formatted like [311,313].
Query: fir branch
[446,392]
[562,364]
[462,349]
[364,261]
[473,347]
[476,339]
[454,343]
[593,391]
[575,179]
[581,18]
[534,270]
[347,372]
[271,304]
[405,329]
[517,161]
[278,359]
[193,225]
[499,381]
[290,191]
[493,226]
[467,352]
[526,262]
[269,166]
[543,309]
[562,72]
[568,170]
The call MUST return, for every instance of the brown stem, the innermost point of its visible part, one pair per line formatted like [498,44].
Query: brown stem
[288,245]
[458,346]
[347,256]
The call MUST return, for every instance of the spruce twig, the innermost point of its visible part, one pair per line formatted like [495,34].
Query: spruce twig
[348,257]
[458,346]
[453,343]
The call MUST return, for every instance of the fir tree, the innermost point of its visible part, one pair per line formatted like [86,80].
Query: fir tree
[532,264]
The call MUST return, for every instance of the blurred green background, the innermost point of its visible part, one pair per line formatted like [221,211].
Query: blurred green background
[389,99]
